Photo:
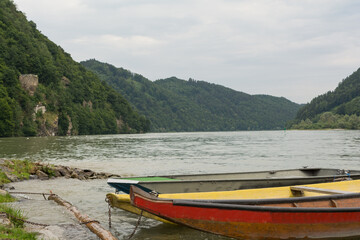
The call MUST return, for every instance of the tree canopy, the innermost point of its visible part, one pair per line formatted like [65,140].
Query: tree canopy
[72,95]
[335,109]
[173,104]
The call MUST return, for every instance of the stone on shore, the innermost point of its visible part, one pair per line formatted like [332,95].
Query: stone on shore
[11,177]
[62,232]
[46,171]
[3,192]
[42,175]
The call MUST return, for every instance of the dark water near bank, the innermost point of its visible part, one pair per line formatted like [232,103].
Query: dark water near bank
[169,153]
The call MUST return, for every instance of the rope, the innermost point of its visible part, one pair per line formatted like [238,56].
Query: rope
[25,221]
[91,221]
[30,193]
[19,219]
[109,206]
[34,223]
[4,214]
[43,194]
[40,224]
[138,223]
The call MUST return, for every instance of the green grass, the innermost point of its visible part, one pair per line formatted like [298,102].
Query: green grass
[21,168]
[3,178]
[48,169]
[6,198]
[16,217]
[16,231]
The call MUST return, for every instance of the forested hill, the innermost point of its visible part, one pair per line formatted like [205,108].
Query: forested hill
[177,105]
[44,92]
[335,109]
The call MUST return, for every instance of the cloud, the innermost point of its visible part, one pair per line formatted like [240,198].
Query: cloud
[136,45]
[254,46]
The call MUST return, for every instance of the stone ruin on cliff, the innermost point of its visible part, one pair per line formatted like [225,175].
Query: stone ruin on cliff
[29,82]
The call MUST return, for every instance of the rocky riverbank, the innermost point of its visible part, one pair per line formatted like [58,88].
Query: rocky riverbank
[45,171]
[12,171]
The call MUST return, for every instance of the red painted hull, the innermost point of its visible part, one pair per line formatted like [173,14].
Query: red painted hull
[310,220]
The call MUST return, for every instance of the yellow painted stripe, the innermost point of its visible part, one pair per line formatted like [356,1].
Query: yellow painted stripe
[275,192]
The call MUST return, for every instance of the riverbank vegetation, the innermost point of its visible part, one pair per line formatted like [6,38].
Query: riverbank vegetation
[335,109]
[329,120]
[174,104]
[12,226]
[12,220]
[43,91]
[18,170]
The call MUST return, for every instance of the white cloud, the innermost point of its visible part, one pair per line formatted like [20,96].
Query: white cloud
[254,46]
[136,45]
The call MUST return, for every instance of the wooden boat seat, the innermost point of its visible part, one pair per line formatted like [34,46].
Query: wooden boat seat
[298,191]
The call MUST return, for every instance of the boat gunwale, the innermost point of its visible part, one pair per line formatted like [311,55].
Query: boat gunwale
[357,173]
[327,177]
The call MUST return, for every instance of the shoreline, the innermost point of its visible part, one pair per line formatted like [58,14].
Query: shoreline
[43,171]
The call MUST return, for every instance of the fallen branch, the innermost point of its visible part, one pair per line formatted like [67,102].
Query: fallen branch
[94,226]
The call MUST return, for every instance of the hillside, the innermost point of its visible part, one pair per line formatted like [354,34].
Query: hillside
[335,109]
[44,92]
[177,105]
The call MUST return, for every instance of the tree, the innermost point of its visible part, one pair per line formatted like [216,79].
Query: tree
[63,124]
[6,120]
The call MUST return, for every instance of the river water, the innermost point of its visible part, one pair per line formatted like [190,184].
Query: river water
[167,153]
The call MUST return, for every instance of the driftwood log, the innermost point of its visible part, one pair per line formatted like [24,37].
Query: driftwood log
[94,226]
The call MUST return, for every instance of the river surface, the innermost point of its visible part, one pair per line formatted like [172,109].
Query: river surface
[167,153]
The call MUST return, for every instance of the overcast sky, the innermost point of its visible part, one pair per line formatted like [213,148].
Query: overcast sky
[296,49]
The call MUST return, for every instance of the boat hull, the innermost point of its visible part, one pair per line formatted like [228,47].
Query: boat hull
[243,230]
[230,181]
[122,201]
[280,219]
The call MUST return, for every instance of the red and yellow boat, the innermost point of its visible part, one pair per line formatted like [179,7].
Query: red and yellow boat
[330,214]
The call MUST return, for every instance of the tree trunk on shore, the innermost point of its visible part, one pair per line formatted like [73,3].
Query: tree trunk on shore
[94,226]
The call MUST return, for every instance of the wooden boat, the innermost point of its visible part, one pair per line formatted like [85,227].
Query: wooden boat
[332,214]
[230,181]
[122,201]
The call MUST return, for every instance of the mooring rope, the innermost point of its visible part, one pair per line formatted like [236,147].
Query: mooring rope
[137,225]
[109,206]
[92,221]
[34,193]
[9,216]
[30,193]
[40,224]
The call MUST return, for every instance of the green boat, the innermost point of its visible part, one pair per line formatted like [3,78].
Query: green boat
[231,181]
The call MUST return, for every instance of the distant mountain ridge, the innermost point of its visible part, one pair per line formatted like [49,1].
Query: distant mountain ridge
[43,91]
[335,109]
[173,104]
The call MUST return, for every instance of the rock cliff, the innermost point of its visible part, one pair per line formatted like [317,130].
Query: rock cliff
[29,82]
